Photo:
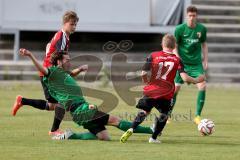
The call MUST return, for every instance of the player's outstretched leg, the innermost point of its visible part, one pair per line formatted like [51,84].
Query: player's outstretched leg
[69,135]
[35,103]
[125,125]
[126,135]
[17,105]
[138,120]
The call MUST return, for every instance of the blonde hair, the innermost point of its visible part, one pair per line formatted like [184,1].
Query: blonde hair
[169,41]
[70,15]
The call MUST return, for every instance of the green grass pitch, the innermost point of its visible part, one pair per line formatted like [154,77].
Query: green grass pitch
[26,135]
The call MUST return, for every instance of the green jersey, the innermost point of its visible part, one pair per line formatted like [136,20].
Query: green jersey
[63,87]
[189,42]
[68,93]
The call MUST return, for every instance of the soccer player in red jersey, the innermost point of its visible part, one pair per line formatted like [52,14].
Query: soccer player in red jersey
[163,66]
[60,42]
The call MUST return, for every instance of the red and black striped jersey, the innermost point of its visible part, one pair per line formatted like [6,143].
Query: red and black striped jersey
[60,42]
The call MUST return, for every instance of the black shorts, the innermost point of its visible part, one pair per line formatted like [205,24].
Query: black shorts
[98,123]
[47,95]
[162,105]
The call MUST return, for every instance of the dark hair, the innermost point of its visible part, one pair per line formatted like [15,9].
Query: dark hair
[192,9]
[57,56]
[70,15]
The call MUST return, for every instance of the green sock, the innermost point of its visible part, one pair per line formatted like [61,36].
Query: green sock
[174,101]
[125,125]
[83,136]
[200,102]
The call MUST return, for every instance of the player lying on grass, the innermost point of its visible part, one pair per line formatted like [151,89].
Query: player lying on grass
[159,89]
[67,92]
[60,42]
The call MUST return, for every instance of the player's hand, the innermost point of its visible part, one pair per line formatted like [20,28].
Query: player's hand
[201,78]
[83,68]
[91,106]
[24,52]
[144,77]
[205,65]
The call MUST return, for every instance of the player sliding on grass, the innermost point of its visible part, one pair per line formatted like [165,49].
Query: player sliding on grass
[159,89]
[67,92]
[60,42]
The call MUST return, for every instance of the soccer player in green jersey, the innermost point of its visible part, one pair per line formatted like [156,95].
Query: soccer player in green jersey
[192,49]
[59,42]
[63,87]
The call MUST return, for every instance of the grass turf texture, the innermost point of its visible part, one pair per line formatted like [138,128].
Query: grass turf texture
[26,135]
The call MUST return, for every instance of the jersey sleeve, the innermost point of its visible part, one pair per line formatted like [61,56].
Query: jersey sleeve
[61,43]
[147,64]
[204,35]
[181,67]
[177,33]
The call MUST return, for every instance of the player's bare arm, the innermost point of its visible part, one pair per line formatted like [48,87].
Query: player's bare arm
[25,52]
[78,70]
[144,77]
[205,55]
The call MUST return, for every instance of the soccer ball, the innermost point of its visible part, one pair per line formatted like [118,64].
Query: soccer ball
[206,127]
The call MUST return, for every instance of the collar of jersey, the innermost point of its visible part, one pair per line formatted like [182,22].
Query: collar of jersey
[167,52]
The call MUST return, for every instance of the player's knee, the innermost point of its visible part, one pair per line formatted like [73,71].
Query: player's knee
[113,120]
[143,112]
[164,117]
[202,86]
[103,135]
[177,88]
[51,106]
[104,138]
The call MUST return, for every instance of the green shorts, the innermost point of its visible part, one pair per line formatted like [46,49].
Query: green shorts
[82,114]
[91,119]
[192,70]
